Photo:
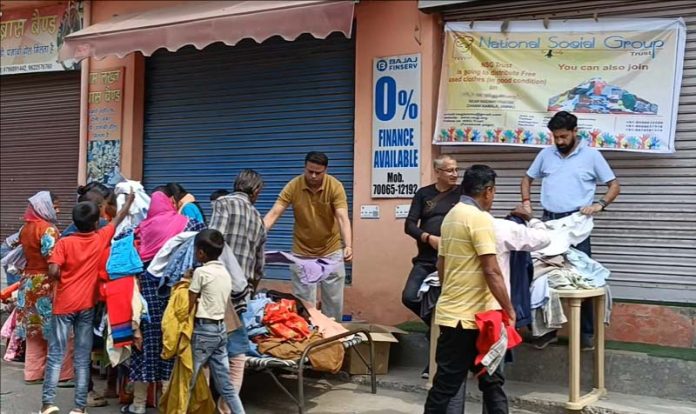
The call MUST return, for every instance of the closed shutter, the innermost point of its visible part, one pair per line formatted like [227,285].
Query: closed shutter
[211,113]
[39,142]
[648,237]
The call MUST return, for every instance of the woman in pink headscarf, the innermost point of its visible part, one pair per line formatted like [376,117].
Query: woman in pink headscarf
[161,224]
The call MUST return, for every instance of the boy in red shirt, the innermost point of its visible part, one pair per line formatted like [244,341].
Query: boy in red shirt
[75,263]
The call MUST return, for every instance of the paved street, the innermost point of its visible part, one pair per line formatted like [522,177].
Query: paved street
[260,396]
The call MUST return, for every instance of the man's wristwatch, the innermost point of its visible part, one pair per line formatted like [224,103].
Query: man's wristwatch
[603,203]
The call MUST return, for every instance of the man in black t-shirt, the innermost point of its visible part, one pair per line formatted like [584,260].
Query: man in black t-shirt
[429,207]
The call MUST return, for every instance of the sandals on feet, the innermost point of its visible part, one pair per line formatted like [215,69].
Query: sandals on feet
[52,409]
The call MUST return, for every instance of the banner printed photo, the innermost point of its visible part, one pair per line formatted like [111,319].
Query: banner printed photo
[621,77]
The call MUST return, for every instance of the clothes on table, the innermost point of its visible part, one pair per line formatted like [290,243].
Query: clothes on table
[324,359]
[567,278]
[311,270]
[283,322]
[324,325]
[123,259]
[254,315]
[590,269]
[550,317]
[539,292]
[567,231]
[177,334]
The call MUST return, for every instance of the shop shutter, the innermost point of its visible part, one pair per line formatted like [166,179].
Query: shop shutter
[211,113]
[39,142]
[648,237]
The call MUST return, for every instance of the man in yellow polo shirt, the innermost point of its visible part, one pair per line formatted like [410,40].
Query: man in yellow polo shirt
[320,206]
[471,283]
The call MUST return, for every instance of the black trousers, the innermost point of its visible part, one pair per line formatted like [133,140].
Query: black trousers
[409,297]
[586,310]
[456,352]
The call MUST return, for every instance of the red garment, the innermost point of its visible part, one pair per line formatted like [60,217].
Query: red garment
[119,299]
[30,239]
[79,257]
[490,324]
[282,321]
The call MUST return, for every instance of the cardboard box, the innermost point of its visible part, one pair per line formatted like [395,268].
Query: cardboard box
[382,336]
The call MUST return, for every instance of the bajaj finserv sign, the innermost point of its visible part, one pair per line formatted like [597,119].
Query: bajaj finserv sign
[396,135]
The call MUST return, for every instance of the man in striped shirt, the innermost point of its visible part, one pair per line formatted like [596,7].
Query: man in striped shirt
[472,282]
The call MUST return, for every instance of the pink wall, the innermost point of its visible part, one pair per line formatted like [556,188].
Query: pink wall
[382,251]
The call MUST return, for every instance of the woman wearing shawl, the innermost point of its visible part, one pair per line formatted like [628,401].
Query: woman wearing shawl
[161,224]
[185,202]
[38,237]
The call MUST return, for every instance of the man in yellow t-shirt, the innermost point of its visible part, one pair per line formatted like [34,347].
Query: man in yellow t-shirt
[471,283]
[320,206]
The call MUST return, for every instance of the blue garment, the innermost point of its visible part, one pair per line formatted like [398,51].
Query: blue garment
[587,267]
[72,229]
[11,277]
[124,259]
[81,324]
[238,342]
[181,260]
[521,275]
[539,292]
[253,316]
[569,183]
[192,211]
[210,348]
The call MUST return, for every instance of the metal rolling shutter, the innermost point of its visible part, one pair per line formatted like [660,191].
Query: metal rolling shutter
[211,113]
[39,142]
[647,238]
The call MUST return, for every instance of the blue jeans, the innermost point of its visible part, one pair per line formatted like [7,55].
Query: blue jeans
[210,347]
[81,323]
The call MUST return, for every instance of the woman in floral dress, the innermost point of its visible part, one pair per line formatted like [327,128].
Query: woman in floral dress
[38,237]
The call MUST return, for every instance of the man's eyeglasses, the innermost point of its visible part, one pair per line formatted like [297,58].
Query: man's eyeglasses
[450,171]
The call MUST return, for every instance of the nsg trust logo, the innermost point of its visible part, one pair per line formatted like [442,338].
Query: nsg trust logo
[464,43]
[382,65]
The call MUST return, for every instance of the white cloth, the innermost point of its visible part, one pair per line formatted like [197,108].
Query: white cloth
[539,292]
[138,210]
[566,232]
[511,236]
[239,280]
[161,259]
[43,206]
[431,280]
[496,353]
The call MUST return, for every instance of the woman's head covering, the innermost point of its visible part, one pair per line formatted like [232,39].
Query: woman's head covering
[187,199]
[41,208]
[161,224]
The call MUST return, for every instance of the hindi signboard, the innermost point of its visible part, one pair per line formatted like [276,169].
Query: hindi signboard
[30,37]
[621,77]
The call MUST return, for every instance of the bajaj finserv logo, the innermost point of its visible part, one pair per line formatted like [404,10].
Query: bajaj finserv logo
[382,65]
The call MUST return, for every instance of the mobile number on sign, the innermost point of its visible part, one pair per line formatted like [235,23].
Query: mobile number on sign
[393,189]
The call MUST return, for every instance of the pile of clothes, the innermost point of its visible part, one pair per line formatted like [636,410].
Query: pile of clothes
[280,325]
[561,267]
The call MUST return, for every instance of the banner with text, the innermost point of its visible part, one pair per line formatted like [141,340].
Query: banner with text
[396,126]
[620,77]
[105,107]
[30,37]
